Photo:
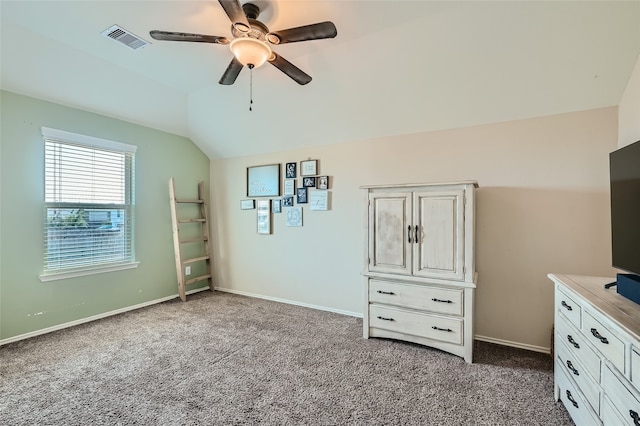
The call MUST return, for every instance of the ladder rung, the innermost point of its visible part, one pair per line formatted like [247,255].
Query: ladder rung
[194,260]
[191,220]
[189,200]
[194,240]
[196,279]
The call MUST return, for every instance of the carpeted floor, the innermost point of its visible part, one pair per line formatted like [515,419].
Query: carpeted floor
[223,359]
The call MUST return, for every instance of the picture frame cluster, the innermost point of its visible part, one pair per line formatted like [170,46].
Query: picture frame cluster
[301,185]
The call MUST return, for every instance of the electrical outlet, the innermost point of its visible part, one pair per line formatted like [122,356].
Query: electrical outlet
[187,270]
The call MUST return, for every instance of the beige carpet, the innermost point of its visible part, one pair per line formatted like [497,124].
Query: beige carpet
[223,359]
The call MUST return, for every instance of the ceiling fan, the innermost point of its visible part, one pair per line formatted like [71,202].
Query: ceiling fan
[252,40]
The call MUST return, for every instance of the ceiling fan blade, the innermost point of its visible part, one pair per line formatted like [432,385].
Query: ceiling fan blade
[291,70]
[235,13]
[167,35]
[307,32]
[231,73]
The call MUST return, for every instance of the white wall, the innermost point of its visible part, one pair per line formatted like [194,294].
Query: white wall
[542,207]
[629,110]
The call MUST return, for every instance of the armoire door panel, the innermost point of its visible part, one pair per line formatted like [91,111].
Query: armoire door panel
[439,249]
[391,243]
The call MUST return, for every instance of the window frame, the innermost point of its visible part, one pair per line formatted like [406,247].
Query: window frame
[91,142]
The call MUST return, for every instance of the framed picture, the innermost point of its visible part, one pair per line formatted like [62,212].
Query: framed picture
[276,206]
[322,182]
[247,204]
[287,201]
[263,181]
[309,182]
[289,187]
[308,168]
[290,170]
[301,195]
[294,216]
[264,216]
[319,200]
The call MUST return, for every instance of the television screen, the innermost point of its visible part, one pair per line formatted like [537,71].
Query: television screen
[624,166]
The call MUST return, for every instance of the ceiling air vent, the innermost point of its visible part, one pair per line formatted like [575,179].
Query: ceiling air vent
[125,37]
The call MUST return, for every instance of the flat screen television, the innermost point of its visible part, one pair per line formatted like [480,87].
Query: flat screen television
[624,168]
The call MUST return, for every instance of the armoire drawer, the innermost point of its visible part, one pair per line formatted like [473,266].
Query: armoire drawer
[625,401]
[416,296]
[604,340]
[416,323]
[578,346]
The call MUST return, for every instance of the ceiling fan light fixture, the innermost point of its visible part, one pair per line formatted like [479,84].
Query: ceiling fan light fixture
[250,51]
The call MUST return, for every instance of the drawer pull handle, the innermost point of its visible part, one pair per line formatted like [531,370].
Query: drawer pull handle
[409,234]
[386,292]
[573,401]
[599,336]
[441,300]
[415,235]
[636,418]
[442,329]
[564,304]
[573,342]
[385,319]
[572,368]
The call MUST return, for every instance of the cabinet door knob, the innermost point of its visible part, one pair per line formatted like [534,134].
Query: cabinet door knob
[599,336]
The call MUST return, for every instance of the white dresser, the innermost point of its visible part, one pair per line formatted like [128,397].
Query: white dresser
[419,264]
[597,351]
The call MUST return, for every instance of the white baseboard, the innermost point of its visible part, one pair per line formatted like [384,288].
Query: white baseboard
[242,293]
[94,317]
[513,344]
[290,302]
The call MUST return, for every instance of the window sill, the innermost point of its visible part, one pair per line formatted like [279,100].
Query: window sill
[93,271]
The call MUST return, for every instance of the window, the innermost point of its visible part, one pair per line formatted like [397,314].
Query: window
[89,199]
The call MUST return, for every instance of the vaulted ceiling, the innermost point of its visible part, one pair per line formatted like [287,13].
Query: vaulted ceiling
[395,67]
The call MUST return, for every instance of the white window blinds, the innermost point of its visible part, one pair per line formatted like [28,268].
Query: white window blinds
[89,199]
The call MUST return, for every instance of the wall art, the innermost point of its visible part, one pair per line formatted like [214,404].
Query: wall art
[264,216]
[263,181]
[309,168]
[294,216]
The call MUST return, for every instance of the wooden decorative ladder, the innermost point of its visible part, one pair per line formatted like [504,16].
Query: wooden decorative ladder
[197,240]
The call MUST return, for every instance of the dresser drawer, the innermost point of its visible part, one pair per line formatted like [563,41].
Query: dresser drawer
[624,400]
[610,415]
[578,408]
[574,369]
[419,324]
[578,346]
[604,340]
[569,307]
[433,299]
[635,367]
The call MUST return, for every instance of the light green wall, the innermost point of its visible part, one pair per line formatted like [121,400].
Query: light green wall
[26,303]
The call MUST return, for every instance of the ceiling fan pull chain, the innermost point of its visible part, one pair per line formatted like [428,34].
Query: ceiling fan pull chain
[250,87]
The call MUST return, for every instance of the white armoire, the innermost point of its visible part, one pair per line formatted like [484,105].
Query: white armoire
[419,266]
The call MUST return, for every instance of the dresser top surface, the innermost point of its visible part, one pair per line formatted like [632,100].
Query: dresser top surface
[620,309]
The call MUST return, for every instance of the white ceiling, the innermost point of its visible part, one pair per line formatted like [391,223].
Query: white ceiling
[396,67]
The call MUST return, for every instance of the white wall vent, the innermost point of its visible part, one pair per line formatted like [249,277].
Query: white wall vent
[125,37]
